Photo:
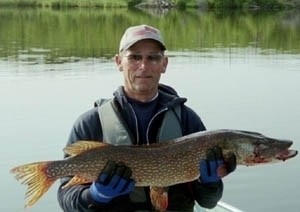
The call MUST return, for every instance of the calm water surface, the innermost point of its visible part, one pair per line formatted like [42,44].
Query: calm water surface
[237,71]
[251,92]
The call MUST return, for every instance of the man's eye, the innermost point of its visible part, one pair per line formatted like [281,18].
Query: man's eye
[135,57]
[155,58]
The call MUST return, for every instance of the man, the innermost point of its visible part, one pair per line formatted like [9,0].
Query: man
[142,111]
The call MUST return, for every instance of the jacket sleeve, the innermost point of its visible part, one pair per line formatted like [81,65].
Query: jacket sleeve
[208,195]
[73,198]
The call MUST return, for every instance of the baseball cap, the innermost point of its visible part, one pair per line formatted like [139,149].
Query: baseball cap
[137,33]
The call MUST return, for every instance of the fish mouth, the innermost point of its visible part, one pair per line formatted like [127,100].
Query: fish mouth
[286,154]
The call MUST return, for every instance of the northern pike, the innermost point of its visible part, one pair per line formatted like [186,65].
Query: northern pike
[158,165]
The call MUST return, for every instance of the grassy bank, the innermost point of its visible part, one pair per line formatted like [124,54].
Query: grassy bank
[182,4]
[65,3]
[66,35]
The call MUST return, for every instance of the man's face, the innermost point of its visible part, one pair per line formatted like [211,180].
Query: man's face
[142,65]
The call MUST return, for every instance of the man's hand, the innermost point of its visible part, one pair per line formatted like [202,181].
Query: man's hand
[113,181]
[214,167]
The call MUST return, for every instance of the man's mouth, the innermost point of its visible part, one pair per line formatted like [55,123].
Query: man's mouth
[143,77]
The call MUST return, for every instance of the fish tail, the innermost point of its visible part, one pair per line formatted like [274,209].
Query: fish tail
[34,175]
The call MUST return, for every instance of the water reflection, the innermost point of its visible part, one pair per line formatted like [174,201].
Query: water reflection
[241,90]
[47,36]
[240,70]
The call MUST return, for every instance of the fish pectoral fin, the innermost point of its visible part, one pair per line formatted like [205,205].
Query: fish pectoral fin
[77,180]
[159,198]
[82,146]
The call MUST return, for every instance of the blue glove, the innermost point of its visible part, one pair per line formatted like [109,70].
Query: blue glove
[113,181]
[214,167]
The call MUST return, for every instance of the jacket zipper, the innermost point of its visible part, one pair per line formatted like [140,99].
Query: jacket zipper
[150,122]
[136,125]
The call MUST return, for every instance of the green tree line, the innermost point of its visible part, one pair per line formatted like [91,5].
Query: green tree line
[182,4]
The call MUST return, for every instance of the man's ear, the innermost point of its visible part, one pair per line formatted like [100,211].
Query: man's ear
[165,64]
[118,61]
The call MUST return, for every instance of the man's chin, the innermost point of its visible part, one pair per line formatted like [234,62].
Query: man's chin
[144,88]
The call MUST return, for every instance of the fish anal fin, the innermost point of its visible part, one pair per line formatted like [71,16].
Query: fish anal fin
[76,180]
[159,198]
[82,146]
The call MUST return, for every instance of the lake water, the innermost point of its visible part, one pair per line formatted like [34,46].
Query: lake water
[245,88]
[252,92]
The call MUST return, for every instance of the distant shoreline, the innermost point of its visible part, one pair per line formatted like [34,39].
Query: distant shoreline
[180,4]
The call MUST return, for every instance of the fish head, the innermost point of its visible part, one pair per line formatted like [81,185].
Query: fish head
[254,148]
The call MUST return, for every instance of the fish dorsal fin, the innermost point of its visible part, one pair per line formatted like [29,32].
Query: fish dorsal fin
[82,146]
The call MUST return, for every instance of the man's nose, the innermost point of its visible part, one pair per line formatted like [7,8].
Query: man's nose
[144,62]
